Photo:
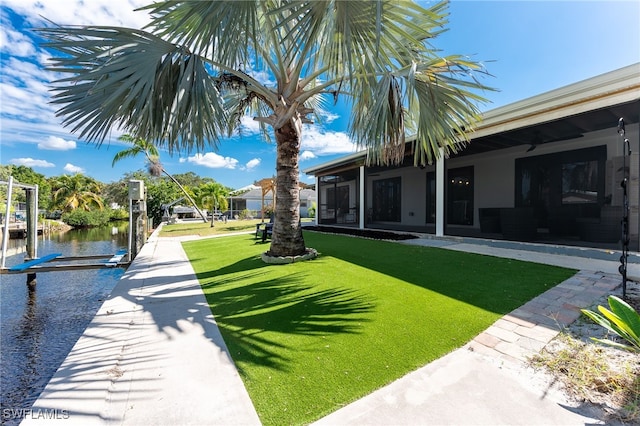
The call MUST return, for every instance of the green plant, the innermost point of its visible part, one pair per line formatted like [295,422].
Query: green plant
[84,219]
[244,214]
[312,210]
[118,214]
[621,320]
[269,210]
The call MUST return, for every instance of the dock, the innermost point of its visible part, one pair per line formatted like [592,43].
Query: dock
[69,263]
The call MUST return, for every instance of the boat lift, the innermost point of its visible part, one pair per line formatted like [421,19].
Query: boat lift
[33,263]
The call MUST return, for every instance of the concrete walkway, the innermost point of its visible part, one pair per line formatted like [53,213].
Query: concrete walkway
[154,355]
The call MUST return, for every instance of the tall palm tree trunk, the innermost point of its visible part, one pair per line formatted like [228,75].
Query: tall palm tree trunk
[287,237]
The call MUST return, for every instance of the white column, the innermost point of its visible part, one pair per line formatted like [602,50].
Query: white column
[315,219]
[362,206]
[440,185]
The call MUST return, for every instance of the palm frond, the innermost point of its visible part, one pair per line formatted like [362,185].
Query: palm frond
[439,103]
[134,80]
[223,30]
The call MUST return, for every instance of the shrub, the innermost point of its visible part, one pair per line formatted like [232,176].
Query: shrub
[118,214]
[84,219]
[245,214]
[621,320]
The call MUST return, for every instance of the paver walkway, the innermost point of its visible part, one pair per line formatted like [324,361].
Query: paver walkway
[525,331]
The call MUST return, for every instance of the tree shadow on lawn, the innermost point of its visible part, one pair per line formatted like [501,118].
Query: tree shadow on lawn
[498,285]
[248,315]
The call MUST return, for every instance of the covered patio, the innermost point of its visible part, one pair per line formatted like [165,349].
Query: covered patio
[546,169]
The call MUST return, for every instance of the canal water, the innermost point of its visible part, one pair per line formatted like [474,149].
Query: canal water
[38,330]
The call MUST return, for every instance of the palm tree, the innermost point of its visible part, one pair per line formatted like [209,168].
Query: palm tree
[141,146]
[213,195]
[76,192]
[201,66]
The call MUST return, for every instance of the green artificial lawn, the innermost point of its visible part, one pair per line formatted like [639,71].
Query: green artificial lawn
[205,229]
[311,337]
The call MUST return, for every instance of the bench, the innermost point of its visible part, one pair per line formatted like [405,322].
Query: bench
[34,262]
[264,229]
[267,231]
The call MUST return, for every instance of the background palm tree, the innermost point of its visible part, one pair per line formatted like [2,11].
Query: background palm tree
[213,196]
[76,192]
[141,146]
[190,79]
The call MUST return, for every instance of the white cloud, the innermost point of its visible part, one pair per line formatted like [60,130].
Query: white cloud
[27,116]
[54,143]
[73,169]
[320,142]
[30,162]
[14,43]
[328,117]
[307,155]
[212,160]
[81,12]
[253,163]
[249,125]
[263,77]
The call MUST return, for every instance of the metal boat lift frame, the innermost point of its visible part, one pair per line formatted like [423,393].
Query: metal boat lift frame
[33,263]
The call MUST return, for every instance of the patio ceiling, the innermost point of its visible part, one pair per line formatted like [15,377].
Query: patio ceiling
[562,114]
[562,129]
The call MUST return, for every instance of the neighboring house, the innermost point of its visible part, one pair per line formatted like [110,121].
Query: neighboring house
[545,168]
[252,201]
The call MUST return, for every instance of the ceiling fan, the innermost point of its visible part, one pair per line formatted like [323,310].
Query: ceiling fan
[539,140]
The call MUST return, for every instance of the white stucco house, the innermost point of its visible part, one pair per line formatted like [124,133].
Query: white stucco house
[252,200]
[547,168]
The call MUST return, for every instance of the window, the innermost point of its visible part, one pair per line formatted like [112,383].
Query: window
[460,196]
[337,197]
[564,178]
[580,182]
[387,200]
[431,197]
[562,186]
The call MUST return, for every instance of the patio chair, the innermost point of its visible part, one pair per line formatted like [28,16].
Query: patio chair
[264,228]
[267,231]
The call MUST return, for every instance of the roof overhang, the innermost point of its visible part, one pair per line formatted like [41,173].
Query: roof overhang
[348,161]
[566,113]
[562,114]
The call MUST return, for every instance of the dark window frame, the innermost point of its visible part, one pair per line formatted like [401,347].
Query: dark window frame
[387,199]
[462,186]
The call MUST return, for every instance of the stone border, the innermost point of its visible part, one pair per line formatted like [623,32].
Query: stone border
[310,253]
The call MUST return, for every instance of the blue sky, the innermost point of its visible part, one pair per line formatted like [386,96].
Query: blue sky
[528,47]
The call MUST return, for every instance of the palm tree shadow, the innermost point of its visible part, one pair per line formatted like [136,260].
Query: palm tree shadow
[251,316]
[246,264]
